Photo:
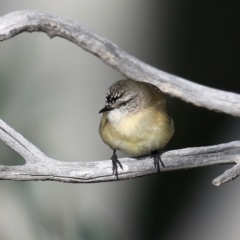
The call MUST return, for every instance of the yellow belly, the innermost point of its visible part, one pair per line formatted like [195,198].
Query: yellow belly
[138,134]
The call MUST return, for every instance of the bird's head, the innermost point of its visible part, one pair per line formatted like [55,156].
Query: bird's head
[122,99]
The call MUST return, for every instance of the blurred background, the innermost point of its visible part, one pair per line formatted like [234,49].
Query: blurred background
[51,92]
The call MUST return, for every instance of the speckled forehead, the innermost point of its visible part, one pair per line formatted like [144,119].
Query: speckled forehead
[114,93]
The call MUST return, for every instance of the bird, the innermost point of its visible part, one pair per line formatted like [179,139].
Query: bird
[135,120]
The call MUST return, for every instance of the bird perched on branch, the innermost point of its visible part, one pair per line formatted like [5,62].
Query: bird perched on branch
[135,120]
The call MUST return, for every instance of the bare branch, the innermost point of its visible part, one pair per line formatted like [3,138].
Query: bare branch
[53,25]
[40,167]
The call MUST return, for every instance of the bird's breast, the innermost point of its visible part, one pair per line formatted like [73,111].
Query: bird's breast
[139,133]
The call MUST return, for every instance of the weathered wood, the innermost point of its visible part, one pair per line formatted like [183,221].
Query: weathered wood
[53,25]
[39,167]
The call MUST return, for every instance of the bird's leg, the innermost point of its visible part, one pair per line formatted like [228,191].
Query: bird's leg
[157,158]
[115,162]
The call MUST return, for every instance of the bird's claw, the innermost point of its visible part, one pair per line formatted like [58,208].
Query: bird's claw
[156,155]
[115,163]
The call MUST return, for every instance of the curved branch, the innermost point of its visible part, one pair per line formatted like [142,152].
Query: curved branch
[53,25]
[39,167]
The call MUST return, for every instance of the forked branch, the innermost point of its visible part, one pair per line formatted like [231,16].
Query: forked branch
[40,167]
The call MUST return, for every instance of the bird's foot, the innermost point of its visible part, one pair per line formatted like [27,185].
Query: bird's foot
[115,163]
[156,155]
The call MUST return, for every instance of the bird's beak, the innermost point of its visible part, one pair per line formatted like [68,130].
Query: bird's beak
[105,109]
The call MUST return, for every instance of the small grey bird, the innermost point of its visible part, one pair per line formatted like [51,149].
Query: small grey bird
[135,120]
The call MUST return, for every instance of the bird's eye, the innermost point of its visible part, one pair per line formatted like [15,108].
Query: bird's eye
[124,103]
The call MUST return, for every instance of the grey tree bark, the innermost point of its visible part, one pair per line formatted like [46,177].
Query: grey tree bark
[40,167]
